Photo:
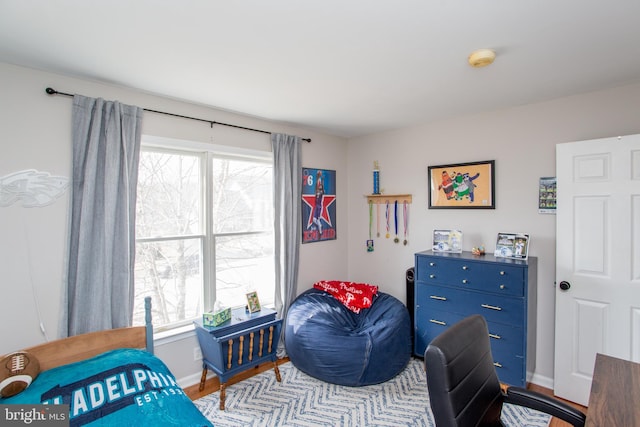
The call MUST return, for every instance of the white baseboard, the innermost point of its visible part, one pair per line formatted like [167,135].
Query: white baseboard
[193,379]
[542,381]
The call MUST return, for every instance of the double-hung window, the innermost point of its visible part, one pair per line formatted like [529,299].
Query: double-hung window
[204,230]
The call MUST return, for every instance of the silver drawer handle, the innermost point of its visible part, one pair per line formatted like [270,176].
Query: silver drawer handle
[491,307]
[431,264]
[502,273]
[498,337]
[432,276]
[464,267]
[465,281]
[497,365]
[438,322]
[502,286]
[437,297]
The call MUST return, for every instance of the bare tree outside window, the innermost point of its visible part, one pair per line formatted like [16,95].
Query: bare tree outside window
[180,245]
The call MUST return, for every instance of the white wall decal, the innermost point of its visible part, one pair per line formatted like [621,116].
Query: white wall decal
[32,188]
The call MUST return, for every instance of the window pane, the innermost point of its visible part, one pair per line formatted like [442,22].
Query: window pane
[169,195]
[171,273]
[171,241]
[243,264]
[241,192]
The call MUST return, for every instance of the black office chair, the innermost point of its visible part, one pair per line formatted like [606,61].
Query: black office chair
[464,390]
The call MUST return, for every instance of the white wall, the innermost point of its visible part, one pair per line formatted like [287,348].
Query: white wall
[522,142]
[35,133]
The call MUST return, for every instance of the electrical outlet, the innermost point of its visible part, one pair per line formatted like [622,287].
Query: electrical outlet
[197,354]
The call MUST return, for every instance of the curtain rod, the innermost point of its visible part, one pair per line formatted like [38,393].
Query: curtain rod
[52,91]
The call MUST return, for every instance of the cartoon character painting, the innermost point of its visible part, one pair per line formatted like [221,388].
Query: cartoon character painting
[447,185]
[468,180]
[463,185]
[459,186]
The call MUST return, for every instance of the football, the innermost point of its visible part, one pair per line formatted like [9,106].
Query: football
[17,371]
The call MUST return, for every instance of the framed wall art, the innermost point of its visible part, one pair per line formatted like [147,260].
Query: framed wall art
[462,186]
[547,195]
[318,205]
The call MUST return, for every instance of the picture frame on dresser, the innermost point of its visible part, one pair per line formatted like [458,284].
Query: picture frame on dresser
[447,241]
[512,245]
[462,185]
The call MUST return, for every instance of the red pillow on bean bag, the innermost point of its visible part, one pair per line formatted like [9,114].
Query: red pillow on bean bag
[355,296]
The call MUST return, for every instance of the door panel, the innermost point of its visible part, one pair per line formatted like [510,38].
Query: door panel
[591,318]
[635,242]
[590,221]
[598,258]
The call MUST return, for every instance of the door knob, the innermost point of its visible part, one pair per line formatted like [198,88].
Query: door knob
[565,285]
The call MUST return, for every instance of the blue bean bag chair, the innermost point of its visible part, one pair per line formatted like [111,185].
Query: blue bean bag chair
[326,340]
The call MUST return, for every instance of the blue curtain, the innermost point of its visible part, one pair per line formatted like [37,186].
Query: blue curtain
[106,149]
[287,192]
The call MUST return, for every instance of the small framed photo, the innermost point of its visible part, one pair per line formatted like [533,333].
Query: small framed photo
[512,245]
[253,303]
[447,241]
[547,196]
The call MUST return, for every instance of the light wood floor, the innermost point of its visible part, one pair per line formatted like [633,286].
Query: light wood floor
[212,385]
[554,421]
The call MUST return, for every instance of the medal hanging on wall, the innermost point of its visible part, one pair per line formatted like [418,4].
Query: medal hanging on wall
[377,219]
[405,217]
[386,215]
[395,217]
[370,241]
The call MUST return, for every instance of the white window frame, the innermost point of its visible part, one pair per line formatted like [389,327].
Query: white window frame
[207,152]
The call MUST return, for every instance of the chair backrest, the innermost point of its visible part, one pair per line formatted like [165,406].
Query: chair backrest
[464,389]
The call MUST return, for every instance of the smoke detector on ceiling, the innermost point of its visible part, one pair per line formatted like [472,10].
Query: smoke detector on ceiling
[481,58]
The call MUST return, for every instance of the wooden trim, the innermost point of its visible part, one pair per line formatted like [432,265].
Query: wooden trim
[85,346]
[80,347]
[384,198]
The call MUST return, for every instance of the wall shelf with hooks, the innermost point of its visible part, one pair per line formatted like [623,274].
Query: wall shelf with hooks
[391,198]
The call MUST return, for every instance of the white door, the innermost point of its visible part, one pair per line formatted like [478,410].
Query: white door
[597,259]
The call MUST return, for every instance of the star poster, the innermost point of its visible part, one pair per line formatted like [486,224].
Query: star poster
[318,205]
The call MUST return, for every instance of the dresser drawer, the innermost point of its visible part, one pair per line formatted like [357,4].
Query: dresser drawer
[506,339]
[510,368]
[495,308]
[469,274]
[434,323]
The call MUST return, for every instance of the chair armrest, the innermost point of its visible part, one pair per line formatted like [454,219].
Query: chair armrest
[540,402]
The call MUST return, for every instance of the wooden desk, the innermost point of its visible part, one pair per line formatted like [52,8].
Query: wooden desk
[615,393]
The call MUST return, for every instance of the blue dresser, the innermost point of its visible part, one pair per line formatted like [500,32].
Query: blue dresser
[450,287]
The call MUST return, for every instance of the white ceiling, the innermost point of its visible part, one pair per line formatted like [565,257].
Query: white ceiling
[343,67]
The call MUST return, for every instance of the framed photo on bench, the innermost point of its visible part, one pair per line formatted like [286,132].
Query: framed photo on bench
[253,303]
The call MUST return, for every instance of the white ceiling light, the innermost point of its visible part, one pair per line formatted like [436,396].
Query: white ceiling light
[481,58]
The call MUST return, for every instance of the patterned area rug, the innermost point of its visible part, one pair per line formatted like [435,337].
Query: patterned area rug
[302,401]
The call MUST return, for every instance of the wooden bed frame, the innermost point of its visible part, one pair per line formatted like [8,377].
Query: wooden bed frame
[80,347]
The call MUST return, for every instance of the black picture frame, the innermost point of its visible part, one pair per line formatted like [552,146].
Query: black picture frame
[462,185]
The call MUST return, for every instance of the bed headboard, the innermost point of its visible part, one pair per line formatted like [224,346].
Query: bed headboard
[80,347]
